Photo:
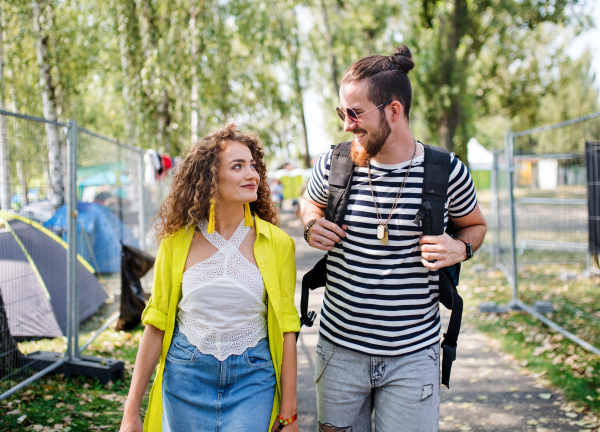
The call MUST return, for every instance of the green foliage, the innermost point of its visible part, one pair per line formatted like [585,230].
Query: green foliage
[126,67]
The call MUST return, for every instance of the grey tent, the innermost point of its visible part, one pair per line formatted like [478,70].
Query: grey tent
[33,280]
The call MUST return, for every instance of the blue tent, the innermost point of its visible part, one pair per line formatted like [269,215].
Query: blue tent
[99,232]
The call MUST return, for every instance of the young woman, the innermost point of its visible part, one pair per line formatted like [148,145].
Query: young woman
[221,318]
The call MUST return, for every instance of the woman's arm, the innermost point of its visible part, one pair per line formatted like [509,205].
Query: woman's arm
[289,371]
[145,362]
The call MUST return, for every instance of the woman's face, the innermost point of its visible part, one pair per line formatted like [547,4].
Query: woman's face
[237,176]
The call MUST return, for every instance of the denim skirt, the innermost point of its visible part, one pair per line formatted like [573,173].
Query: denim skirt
[201,393]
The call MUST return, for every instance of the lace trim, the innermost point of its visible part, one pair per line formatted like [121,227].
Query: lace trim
[222,345]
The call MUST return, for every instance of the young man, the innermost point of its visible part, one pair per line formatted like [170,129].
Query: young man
[379,336]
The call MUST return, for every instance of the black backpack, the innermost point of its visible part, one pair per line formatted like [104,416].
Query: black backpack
[430,216]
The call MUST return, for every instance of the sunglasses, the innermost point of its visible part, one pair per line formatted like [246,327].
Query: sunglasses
[352,114]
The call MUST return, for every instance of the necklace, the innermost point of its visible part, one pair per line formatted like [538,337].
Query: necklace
[382,229]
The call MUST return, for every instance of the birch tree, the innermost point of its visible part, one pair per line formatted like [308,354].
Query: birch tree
[4,145]
[40,20]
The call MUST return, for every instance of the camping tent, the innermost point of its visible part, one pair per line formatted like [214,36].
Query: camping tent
[33,279]
[99,233]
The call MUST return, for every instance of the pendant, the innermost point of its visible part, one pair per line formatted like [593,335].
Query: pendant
[380,231]
[382,234]
[386,239]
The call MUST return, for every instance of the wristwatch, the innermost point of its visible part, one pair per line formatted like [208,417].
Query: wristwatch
[469,249]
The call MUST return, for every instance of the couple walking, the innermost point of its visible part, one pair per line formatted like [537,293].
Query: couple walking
[221,322]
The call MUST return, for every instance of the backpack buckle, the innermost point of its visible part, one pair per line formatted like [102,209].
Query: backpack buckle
[309,320]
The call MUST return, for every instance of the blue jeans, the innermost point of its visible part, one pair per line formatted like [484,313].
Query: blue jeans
[201,393]
[404,391]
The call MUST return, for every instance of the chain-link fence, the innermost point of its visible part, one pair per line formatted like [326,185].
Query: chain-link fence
[541,223]
[69,198]
[33,261]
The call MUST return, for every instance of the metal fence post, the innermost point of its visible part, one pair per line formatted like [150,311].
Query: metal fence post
[73,307]
[141,204]
[513,220]
[495,249]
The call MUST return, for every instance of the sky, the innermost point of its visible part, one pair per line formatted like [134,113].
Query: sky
[319,142]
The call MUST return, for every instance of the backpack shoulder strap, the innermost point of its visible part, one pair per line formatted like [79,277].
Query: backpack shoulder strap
[341,169]
[436,176]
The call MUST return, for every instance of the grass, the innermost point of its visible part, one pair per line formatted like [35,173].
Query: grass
[546,354]
[56,404]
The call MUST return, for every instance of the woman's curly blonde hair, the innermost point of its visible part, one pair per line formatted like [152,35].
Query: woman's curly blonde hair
[195,184]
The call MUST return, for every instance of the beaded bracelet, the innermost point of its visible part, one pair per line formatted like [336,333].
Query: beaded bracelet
[283,422]
[309,225]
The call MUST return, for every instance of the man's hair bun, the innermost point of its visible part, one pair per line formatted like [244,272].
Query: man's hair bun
[402,58]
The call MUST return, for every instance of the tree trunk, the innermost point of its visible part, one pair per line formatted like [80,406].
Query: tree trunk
[122,20]
[21,150]
[195,106]
[451,116]
[334,72]
[56,190]
[22,175]
[163,120]
[4,145]
[295,55]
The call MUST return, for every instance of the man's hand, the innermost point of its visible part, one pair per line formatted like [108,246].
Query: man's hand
[324,234]
[443,249]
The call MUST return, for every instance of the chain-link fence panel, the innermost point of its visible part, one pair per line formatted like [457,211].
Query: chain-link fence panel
[33,260]
[111,213]
[552,176]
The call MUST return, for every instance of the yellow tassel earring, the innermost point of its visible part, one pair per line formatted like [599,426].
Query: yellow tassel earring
[211,217]
[247,215]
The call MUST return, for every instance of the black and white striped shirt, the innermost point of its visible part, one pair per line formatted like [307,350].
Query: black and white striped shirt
[381,300]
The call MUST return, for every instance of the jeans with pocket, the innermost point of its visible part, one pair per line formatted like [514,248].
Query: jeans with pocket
[201,393]
[404,390]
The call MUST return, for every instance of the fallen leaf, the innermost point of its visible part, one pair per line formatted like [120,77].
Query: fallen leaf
[457,398]
[22,418]
[37,428]
[532,422]
[449,418]
[482,397]
[514,389]
[571,414]
[60,405]
[507,407]
[48,397]
[70,406]
[545,395]
[466,428]
[86,385]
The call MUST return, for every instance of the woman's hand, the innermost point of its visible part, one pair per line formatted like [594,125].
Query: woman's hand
[131,424]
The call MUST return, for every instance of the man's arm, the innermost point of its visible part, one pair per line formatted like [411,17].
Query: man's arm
[446,250]
[323,234]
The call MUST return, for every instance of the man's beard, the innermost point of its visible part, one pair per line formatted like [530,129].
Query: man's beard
[361,154]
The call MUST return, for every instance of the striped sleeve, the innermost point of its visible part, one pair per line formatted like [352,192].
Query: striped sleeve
[318,186]
[461,190]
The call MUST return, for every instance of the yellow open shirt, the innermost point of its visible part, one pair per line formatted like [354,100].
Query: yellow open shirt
[274,253]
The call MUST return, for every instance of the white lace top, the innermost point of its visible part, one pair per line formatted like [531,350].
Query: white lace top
[223,309]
